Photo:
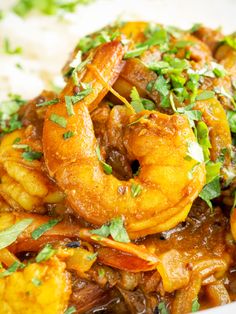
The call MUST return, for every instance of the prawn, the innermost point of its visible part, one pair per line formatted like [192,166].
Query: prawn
[157,141]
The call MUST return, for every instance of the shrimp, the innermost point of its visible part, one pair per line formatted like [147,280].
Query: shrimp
[159,144]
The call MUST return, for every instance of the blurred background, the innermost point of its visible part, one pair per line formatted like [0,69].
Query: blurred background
[36,37]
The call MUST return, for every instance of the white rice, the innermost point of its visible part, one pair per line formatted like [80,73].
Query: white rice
[47,40]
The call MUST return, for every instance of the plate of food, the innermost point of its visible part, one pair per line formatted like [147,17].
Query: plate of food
[117,191]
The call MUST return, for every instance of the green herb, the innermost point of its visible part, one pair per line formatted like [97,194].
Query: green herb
[101,272]
[9,235]
[231,116]
[69,106]
[138,120]
[16,140]
[13,268]
[218,69]
[195,305]
[107,168]
[161,86]
[136,101]
[212,170]
[207,94]
[37,282]
[135,52]
[148,104]
[230,41]
[47,7]
[203,139]
[58,120]
[222,92]
[68,134]
[8,49]
[118,231]
[184,43]
[195,27]
[211,191]
[115,228]
[92,256]
[20,146]
[45,253]
[195,151]
[136,189]
[37,233]
[48,103]
[32,155]
[192,115]
[70,310]
[162,308]
[82,94]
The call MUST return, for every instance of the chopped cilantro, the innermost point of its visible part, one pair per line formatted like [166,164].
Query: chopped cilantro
[136,189]
[32,155]
[231,116]
[36,282]
[47,7]
[195,305]
[9,235]
[195,27]
[92,256]
[218,69]
[211,191]
[14,267]
[8,49]
[230,41]
[101,272]
[136,101]
[107,168]
[45,253]
[68,134]
[212,170]
[70,310]
[161,86]
[184,43]
[162,308]
[48,103]
[195,151]
[87,89]
[135,52]
[222,92]
[69,105]
[37,233]
[115,228]
[203,139]
[204,95]
[148,104]
[58,120]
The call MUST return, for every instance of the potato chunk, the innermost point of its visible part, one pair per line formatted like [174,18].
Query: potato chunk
[38,288]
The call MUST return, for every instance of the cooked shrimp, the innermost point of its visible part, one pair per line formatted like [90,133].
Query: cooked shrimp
[160,144]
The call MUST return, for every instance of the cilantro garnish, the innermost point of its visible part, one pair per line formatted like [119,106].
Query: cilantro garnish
[13,268]
[204,95]
[211,191]
[37,233]
[136,101]
[195,305]
[45,253]
[162,308]
[9,235]
[69,106]
[107,168]
[36,282]
[136,189]
[195,151]
[32,155]
[70,310]
[115,228]
[8,49]
[61,121]
[135,52]
[48,103]
[68,135]
[231,116]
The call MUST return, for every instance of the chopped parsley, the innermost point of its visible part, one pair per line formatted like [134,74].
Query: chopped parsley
[231,116]
[9,235]
[195,305]
[87,89]
[107,168]
[230,41]
[61,121]
[13,268]
[37,233]
[68,135]
[48,102]
[135,52]
[115,228]
[45,253]
[136,189]
[203,139]
[211,191]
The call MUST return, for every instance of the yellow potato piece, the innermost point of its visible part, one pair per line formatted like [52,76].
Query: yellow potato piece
[38,289]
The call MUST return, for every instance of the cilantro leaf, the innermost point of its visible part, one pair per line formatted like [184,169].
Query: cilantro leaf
[118,231]
[9,235]
[14,267]
[206,94]
[162,308]
[37,233]
[107,168]
[211,191]
[195,151]
[136,101]
[195,305]
[231,116]
[45,253]
[70,310]
[203,139]
[161,86]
